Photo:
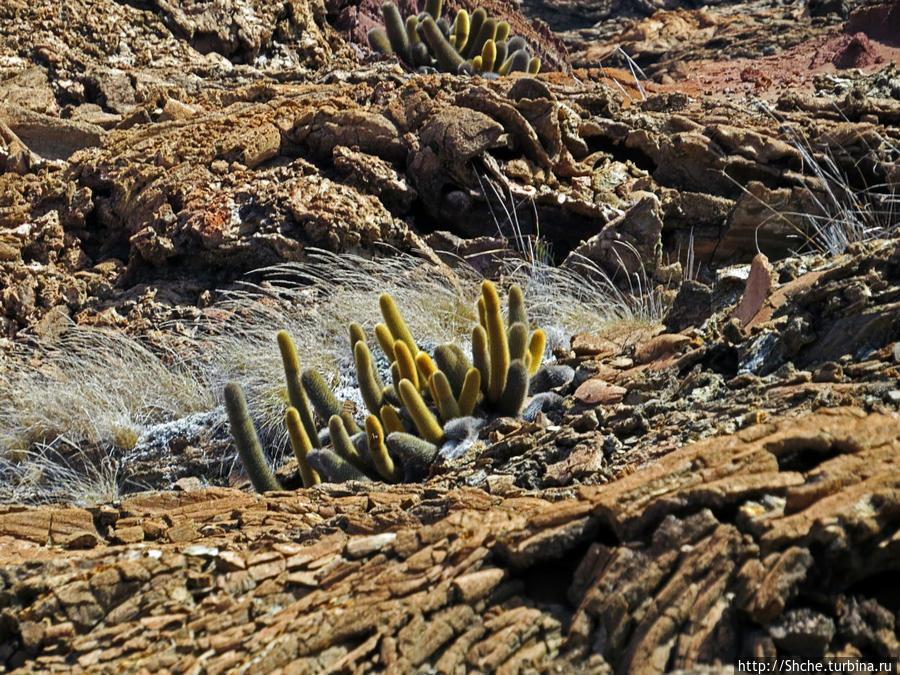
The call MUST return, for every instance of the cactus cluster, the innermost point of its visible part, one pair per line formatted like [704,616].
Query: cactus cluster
[429,399]
[471,44]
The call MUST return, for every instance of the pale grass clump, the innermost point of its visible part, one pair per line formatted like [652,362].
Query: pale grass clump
[46,475]
[845,214]
[582,297]
[92,386]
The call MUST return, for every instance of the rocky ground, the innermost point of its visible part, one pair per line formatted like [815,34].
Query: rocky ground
[717,481]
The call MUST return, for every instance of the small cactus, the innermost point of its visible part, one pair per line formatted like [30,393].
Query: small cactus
[432,396]
[472,44]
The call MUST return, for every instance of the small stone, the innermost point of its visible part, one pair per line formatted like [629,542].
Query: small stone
[360,547]
[759,286]
[596,391]
[804,632]
[81,540]
[550,377]
[229,561]
[176,110]
[660,347]
[188,484]
[587,421]
[128,535]
[828,372]
[587,344]
[731,331]
[182,533]
[892,396]
[154,528]
[472,587]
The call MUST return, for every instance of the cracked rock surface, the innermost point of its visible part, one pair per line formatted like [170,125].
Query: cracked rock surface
[721,483]
[721,548]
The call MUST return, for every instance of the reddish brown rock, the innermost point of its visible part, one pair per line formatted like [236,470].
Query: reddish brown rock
[661,347]
[45,526]
[599,391]
[760,285]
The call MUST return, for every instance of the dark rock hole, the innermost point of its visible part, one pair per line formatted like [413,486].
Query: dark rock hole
[803,460]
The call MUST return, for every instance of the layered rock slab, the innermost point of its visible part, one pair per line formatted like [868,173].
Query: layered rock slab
[717,550]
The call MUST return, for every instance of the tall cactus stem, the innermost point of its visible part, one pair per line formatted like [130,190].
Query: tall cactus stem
[320,394]
[423,419]
[370,385]
[390,420]
[515,391]
[246,440]
[395,323]
[442,395]
[296,393]
[468,396]
[536,350]
[497,345]
[300,443]
[481,359]
[518,341]
[343,446]
[378,451]
[406,364]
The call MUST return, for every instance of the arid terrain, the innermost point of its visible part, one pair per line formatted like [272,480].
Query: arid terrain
[701,206]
